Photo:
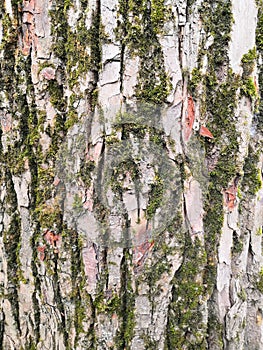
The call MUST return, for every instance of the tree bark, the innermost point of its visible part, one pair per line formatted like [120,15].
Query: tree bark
[131,174]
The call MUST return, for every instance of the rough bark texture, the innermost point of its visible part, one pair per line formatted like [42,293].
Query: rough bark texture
[131,204]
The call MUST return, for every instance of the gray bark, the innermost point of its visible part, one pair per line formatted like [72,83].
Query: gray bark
[131,193]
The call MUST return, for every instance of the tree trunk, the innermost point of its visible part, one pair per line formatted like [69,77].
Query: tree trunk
[131,159]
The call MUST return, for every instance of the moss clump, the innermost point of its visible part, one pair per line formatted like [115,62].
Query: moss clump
[259,30]
[84,307]
[195,80]
[259,283]
[242,295]
[86,169]
[220,106]
[217,21]
[56,92]
[219,97]
[138,28]
[80,48]
[248,62]
[129,123]
[118,175]
[238,245]
[219,101]
[49,216]
[185,326]
[155,196]
[110,307]
[12,245]
[259,231]
[252,181]
[161,249]
[249,89]
[135,17]
[127,305]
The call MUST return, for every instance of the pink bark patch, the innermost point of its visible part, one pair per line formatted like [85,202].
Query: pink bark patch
[140,252]
[88,199]
[205,132]
[95,152]
[48,73]
[41,250]
[28,26]
[231,197]
[52,238]
[56,181]
[90,266]
[6,123]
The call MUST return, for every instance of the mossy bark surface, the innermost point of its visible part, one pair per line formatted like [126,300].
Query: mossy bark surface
[131,201]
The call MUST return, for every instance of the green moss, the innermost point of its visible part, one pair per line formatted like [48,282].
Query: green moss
[259,30]
[50,216]
[190,3]
[220,107]
[133,19]
[22,149]
[259,283]
[86,169]
[159,15]
[138,29]
[8,48]
[249,89]
[45,179]
[45,64]
[217,21]
[127,305]
[252,181]
[149,343]
[77,204]
[155,196]
[153,273]
[185,317]
[195,80]
[12,245]
[153,83]
[259,231]
[216,335]
[80,48]
[248,62]
[112,138]
[238,245]
[128,122]
[219,97]
[110,307]
[31,344]
[119,174]
[56,95]
[83,317]
[16,2]
[219,101]
[242,295]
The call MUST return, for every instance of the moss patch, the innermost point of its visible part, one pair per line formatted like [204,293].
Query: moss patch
[252,180]
[185,319]
[138,28]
